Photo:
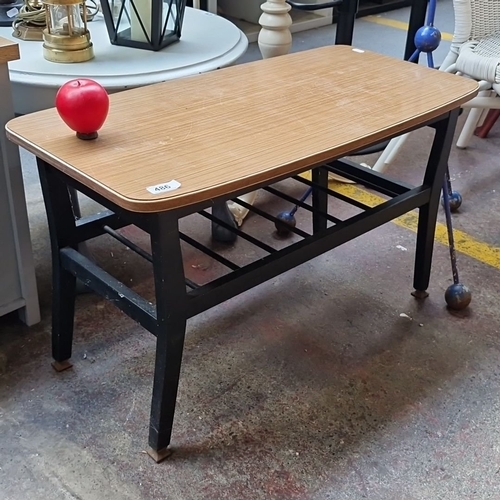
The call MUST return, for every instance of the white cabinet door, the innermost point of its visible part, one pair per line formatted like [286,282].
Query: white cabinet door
[18,289]
[10,285]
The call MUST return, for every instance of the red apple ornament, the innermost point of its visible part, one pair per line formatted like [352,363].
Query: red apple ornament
[83,105]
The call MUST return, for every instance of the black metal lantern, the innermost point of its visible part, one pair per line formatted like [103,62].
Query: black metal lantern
[144,24]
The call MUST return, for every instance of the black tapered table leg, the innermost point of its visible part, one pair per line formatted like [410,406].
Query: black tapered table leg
[171,327]
[61,224]
[319,199]
[434,176]
[63,313]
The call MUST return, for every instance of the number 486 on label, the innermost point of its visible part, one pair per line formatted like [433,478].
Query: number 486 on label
[165,187]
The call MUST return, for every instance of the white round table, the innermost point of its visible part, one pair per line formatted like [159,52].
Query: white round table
[208,42]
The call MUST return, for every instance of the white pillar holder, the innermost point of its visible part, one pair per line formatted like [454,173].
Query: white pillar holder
[275,38]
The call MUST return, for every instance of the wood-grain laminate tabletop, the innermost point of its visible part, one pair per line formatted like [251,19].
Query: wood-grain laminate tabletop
[238,127]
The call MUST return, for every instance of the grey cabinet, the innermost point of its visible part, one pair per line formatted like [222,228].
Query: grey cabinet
[18,290]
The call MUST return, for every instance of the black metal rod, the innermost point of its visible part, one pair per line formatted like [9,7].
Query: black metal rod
[191,284]
[269,217]
[139,251]
[270,266]
[449,227]
[101,282]
[91,226]
[287,197]
[368,177]
[303,198]
[340,196]
[208,251]
[241,234]
[291,199]
[130,244]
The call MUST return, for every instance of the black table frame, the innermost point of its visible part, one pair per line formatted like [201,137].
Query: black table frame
[177,299]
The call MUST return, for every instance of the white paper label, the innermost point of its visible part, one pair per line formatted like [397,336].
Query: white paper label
[12,12]
[164,188]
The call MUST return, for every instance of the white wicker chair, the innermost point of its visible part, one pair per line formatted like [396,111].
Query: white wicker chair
[474,53]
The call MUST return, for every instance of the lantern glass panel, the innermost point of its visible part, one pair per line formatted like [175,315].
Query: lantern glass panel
[149,24]
[65,20]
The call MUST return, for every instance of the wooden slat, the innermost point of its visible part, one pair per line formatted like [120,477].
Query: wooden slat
[240,126]
[9,51]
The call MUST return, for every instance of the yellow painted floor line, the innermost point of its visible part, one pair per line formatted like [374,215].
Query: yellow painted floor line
[464,243]
[400,25]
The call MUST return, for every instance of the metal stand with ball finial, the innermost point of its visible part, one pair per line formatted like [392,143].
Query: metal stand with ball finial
[457,296]
[427,40]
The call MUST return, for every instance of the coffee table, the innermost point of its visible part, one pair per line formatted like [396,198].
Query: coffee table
[208,42]
[221,144]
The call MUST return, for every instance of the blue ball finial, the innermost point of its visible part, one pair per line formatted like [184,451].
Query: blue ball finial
[458,296]
[286,220]
[427,39]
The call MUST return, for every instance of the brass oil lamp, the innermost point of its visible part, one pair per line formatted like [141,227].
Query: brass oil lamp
[66,36]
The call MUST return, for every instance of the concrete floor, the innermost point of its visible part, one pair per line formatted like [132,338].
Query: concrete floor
[310,387]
